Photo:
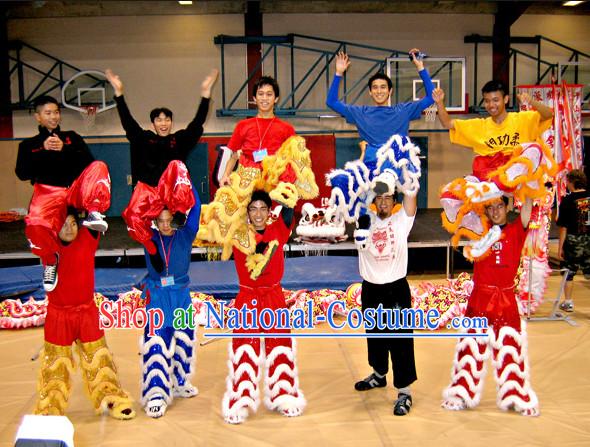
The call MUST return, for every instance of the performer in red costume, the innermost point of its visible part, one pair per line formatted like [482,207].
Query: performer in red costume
[63,173]
[158,163]
[493,297]
[281,382]
[272,158]
[260,136]
[72,316]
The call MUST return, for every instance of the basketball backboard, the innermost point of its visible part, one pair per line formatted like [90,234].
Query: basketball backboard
[88,88]
[447,73]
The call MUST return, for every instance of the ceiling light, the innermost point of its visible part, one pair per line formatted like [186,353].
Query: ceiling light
[185,3]
[572,3]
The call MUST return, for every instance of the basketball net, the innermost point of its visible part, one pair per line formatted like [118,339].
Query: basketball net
[430,113]
[89,116]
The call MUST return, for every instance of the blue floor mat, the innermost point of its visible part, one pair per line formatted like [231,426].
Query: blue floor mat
[216,278]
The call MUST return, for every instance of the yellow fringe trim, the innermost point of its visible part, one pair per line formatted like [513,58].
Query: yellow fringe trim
[99,372]
[244,239]
[224,221]
[291,153]
[104,390]
[54,404]
[257,262]
[54,382]
[285,194]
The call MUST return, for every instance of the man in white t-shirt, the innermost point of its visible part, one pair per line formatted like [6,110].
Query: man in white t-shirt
[383,264]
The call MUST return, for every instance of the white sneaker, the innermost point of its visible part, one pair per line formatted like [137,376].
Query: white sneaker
[95,221]
[567,306]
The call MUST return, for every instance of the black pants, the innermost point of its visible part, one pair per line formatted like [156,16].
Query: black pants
[390,296]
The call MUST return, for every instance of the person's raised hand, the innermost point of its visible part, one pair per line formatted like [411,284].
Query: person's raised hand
[115,81]
[439,96]
[208,83]
[418,63]
[342,63]
[524,98]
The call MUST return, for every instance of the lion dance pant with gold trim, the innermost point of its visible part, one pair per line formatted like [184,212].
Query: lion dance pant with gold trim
[79,324]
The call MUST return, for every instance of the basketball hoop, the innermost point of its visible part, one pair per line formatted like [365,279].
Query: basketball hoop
[430,114]
[88,113]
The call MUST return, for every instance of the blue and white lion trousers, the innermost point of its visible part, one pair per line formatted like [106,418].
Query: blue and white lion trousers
[168,364]
[396,164]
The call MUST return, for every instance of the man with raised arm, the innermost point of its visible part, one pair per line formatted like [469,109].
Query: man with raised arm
[158,162]
[168,354]
[510,157]
[493,298]
[73,317]
[248,356]
[271,157]
[389,153]
[383,265]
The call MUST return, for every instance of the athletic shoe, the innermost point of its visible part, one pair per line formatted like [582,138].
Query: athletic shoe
[95,221]
[402,405]
[50,277]
[567,306]
[368,383]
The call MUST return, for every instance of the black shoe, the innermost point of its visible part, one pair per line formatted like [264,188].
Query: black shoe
[178,220]
[50,277]
[368,383]
[402,405]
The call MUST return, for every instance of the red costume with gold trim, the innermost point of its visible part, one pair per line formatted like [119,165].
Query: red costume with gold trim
[246,356]
[72,317]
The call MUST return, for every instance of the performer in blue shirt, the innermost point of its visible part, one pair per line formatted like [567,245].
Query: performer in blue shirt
[390,157]
[168,355]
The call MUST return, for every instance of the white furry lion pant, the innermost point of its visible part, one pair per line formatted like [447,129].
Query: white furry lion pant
[168,363]
[508,346]
[246,361]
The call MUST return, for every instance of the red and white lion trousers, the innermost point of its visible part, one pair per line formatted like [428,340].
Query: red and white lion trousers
[506,339]
[249,356]
[174,192]
[91,191]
